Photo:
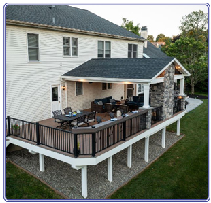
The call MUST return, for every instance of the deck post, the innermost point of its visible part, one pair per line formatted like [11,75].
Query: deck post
[41,157]
[110,168]
[146,152]
[129,156]
[93,145]
[164,137]
[178,127]
[8,118]
[38,133]
[146,96]
[75,145]
[182,86]
[84,181]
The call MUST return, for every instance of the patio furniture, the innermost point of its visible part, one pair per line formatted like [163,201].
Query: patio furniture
[91,117]
[99,105]
[70,119]
[57,120]
[99,119]
[67,110]
[137,101]
[111,115]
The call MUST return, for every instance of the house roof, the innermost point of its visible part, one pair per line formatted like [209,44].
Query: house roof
[153,52]
[121,68]
[65,17]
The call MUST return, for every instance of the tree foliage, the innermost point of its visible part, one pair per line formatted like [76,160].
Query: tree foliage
[150,38]
[191,48]
[160,37]
[130,26]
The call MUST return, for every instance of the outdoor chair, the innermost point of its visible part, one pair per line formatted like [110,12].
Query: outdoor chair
[91,117]
[59,113]
[111,115]
[67,110]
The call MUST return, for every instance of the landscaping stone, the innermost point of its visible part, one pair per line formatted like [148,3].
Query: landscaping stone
[67,180]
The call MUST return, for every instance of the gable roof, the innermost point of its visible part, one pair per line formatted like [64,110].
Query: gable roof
[121,68]
[153,52]
[65,17]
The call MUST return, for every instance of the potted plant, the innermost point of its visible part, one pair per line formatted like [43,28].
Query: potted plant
[16,129]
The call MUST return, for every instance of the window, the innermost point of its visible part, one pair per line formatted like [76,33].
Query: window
[140,88]
[79,88]
[132,50]
[33,47]
[55,94]
[103,86]
[104,49]
[74,46]
[109,85]
[67,46]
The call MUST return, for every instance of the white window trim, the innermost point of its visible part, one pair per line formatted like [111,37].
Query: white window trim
[33,61]
[132,49]
[82,89]
[69,56]
[141,89]
[104,42]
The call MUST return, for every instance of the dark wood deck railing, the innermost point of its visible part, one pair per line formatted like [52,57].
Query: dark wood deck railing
[83,141]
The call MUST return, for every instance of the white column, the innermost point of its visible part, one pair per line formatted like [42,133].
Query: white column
[66,94]
[146,152]
[84,181]
[129,156]
[110,169]
[164,137]
[146,95]
[182,86]
[41,157]
[178,127]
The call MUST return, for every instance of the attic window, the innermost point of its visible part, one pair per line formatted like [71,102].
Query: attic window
[132,50]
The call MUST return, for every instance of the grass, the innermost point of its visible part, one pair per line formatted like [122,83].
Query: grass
[21,185]
[182,172]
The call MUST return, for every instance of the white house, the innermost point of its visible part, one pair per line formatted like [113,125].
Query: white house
[61,56]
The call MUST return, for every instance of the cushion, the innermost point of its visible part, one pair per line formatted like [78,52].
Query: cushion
[112,101]
[96,101]
[100,103]
[135,99]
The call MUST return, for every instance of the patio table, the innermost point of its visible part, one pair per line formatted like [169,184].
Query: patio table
[69,119]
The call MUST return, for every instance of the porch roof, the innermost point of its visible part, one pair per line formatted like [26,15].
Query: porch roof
[137,70]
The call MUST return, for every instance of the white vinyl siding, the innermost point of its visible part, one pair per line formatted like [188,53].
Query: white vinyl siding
[33,47]
[28,85]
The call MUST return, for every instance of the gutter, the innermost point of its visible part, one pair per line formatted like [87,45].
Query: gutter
[71,30]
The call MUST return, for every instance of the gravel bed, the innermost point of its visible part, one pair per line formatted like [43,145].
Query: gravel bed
[67,180]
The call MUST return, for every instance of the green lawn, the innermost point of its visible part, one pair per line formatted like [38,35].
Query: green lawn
[182,172]
[21,185]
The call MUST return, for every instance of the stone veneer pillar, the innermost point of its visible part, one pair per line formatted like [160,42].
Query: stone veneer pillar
[148,119]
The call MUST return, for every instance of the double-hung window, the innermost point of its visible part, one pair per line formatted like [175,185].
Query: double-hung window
[140,88]
[79,88]
[70,46]
[104,49]
[132,50]
[33,47]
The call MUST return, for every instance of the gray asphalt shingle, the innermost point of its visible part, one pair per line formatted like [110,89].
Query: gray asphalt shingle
[153,52]
[125,68]
[65,16]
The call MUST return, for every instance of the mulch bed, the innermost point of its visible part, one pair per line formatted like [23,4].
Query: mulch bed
[196,96]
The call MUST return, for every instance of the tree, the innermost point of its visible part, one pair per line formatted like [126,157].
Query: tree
[150,38]
[130,27]
[194,24]
[159,37]
[191,47]
[193,56]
